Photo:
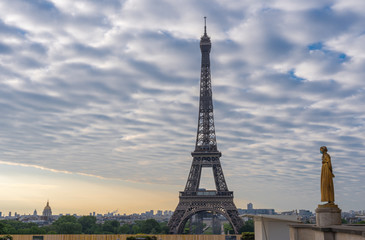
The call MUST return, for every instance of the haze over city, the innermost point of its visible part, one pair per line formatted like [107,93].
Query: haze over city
[99,102]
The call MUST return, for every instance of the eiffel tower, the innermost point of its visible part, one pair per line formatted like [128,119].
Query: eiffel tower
[193,200]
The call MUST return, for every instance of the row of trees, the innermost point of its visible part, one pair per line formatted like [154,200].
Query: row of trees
[86,225]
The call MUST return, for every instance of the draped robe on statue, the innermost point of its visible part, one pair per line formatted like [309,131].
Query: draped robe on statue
[327,190]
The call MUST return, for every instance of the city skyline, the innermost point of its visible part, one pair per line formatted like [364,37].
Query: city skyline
[98,101]
[167,212]
[159,212]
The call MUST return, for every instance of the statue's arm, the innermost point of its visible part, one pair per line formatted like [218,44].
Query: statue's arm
[330,165]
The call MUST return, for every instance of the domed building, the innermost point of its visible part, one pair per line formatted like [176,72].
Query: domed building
[47,212]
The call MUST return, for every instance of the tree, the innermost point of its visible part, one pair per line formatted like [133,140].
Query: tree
[136,229]
[69,228]
[248,226]
[50,229]
[150,224]
[125,229]
[228,228]
[15,227]
[164,228]
[111,226]
[67,225]
[2,228]
[88,224]
[36,230]
[32,230]
[248,236]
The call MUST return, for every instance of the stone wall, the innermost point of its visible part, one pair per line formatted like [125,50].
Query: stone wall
[335,232]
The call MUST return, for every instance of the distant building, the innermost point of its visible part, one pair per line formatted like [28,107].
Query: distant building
[293,212]
[249,206]
[167,213]
[35,212]
[252,211]
[47,212]
[306,216]
[149,214]
[303,212]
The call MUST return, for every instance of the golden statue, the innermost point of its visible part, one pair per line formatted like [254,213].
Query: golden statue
[327,189]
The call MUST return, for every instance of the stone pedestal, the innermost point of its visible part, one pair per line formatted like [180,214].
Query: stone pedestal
[327,215]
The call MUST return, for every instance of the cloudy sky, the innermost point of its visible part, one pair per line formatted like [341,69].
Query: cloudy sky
[99,101]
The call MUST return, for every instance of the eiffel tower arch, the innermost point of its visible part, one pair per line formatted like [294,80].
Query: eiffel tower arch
[194,200]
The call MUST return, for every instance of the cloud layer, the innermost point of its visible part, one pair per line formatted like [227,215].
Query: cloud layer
[110,89]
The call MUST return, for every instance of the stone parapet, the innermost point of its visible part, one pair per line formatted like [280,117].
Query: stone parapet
[335,232]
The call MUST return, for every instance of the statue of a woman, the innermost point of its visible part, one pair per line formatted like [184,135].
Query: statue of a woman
[327,190]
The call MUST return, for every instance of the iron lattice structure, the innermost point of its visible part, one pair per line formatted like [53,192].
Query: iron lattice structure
[192,200]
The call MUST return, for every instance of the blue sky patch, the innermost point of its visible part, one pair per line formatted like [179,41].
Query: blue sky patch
[295,77]
[315,46]
[343,57]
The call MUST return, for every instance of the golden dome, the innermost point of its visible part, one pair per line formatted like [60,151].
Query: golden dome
[47,210]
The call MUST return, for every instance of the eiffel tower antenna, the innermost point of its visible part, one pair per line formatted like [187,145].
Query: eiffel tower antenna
[205,25]
[194,200]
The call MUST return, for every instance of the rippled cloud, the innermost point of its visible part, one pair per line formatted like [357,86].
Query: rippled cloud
[110,89]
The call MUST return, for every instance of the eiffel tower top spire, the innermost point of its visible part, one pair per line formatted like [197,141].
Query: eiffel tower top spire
[205,25]
[205,139]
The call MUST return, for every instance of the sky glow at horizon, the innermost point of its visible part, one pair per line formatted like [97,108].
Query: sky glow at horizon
[99,102]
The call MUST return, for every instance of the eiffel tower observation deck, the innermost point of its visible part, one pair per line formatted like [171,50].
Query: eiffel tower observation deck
[193,200]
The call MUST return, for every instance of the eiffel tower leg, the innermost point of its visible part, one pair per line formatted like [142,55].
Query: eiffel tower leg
[175,220]
[194,176]
[220,182]
[235,220]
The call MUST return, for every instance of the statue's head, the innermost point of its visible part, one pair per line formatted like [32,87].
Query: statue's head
[323,149]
